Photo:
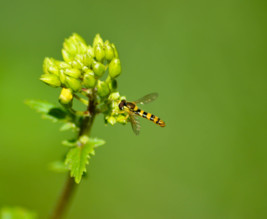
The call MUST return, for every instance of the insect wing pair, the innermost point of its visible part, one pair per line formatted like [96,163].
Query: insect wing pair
[133,111]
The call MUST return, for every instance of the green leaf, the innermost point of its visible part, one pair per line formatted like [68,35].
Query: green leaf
[58,166]
[70,143]
[69,126]
[78,157]
[48,110]
[16,213]
[96,142]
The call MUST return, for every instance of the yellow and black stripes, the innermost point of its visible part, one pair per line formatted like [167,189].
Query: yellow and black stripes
[148,116]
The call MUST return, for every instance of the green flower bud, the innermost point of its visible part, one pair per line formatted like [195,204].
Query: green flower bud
[74,45]
[109,51]
[116,55]
[70,47]
[76,38]
[111,120]
[114,68]
[53,70]
[63,65]
[65,96]
[99,68]
[77,64]
[114,96]
[66,56]
[73,83]
[82,48]
[62,77]
[51,80]
[73,72]
[89,80]
[79,58]
[90,51]
[50,66]
[85,69]
[47,63]
[87,60]
[102,88]
[97,40]
[99,52]
[114,107]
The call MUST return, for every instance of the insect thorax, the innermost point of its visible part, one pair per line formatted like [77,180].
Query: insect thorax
[130,105]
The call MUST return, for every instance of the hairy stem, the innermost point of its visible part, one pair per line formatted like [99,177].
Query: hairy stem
[70,184]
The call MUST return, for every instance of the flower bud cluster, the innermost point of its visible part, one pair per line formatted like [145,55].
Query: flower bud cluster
[83,67]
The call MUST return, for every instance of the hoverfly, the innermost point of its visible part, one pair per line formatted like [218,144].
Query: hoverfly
[133,111]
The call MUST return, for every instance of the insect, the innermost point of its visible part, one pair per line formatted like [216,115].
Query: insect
[133,111]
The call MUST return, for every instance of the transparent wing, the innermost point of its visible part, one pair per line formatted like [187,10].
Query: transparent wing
[147,99]
[135,123]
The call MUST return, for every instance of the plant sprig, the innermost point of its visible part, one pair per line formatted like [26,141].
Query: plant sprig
[80,77]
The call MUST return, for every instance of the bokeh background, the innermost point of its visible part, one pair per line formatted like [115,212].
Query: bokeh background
[206,59]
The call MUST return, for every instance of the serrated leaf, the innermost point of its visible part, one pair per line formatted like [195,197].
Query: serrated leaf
[58,166]
[78,157]
[16,213]
[76,160]
[48,110]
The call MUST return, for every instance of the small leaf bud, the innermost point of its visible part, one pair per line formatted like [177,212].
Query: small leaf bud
[114,68]
[83,139]
[73,83]
[65,96]
[51,80]
[98,68]
[73,72]
[89,80]
[99,52]
[102,88]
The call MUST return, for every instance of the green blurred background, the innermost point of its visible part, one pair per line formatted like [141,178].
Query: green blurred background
[206,59]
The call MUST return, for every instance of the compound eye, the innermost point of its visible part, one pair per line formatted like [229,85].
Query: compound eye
[122,104]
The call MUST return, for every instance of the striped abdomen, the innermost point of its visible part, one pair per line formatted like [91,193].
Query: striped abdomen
[148,116]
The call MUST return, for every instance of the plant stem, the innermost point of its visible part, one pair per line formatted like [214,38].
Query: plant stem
[64,199]
[70,184]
